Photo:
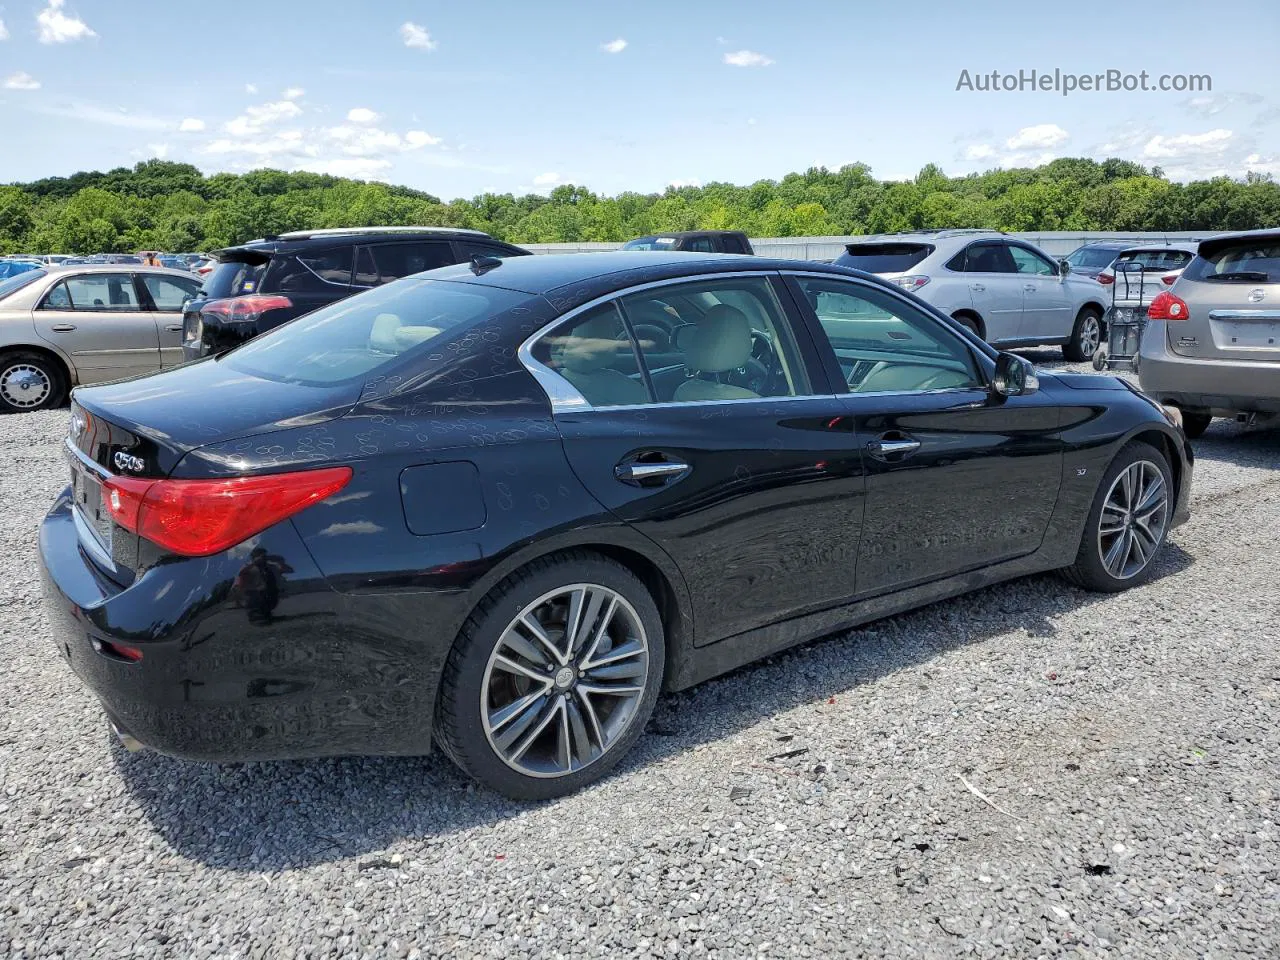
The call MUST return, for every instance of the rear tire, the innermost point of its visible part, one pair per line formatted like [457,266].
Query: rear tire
[970,323]
[1194,424]
[1086,336]
[30,381]
[535,717]
[1127,523]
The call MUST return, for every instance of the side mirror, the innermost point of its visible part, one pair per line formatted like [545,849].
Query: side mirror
[1064,267]
[1015,377]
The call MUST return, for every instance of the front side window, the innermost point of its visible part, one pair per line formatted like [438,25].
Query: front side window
[988,257]
[886,345]
[95,292]
[1028,261]
[353,338]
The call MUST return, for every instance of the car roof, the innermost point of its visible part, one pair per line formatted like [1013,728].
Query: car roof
[550,275]
[60,269]
[310,239]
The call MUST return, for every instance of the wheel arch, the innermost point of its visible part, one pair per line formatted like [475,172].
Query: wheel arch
[973,315]
[1166,444]
[64,367]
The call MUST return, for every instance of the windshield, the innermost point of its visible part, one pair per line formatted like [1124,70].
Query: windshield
[352,338]
[651,243]
[883,257]
[1256,261]
[1091,257]
[14,284]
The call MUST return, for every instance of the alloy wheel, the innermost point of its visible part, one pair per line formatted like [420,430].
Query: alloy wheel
[564,680]
[1134,516]
[1090,335]
[25,386]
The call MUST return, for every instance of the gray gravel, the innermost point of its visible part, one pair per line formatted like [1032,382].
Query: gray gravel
[1029,771]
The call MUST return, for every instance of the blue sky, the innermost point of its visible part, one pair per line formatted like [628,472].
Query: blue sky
[459,99]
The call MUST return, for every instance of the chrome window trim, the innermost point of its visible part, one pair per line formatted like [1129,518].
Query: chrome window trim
[1244,315]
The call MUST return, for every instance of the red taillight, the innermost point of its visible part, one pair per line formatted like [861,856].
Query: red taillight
[197,518]
[1165,306]
[1106,278]
[1169,279]
[249,307]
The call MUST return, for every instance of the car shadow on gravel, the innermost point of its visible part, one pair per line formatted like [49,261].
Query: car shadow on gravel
[283,815]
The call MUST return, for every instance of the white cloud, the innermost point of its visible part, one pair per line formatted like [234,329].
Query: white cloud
[747,58]
[293,93]
[420,138]
[979,151]
[1039,137]
[1210,143]
[614,46]
[546,179]
[158,150]
[85,112]
[360,168]
[751,121]
[4,31]
[416,36]
[57,27]
[1209,104]
[259,117]
[362,115]
[250,88]
[191,125]
[721,40]
[21,81]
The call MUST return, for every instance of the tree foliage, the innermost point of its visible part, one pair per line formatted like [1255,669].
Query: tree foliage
[172,206]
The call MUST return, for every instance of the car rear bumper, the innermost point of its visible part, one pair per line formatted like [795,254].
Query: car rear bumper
[230,672]
[1222,386]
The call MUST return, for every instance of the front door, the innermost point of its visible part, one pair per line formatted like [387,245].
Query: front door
[995,289]
[954,481]
[741,468]
[98,321]
[1046,308]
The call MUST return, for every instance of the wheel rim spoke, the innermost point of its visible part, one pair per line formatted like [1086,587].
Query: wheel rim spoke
[563,681]
[1132,524]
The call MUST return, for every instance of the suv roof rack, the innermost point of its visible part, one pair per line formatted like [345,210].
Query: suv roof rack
[957,231]
[344,231]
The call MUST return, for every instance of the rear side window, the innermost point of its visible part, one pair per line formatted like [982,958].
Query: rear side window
[1242,261]
[701,245]
[355,337]
[231,278]
[313,271]
[396,260]
[884,257]
[169,293]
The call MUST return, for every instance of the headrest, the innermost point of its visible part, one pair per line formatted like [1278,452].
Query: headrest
[720,341]
[593,345]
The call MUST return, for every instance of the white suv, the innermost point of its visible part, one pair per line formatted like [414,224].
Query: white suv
[1005,290]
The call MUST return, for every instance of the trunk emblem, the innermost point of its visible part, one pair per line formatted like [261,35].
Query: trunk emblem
[1257,295]
[127,461]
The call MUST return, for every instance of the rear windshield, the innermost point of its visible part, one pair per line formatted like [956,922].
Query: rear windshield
[352,338]
[883,257]
[16,283]
[231,278]
[1256,261]
[1156,259]
[651,243]
[1092,257]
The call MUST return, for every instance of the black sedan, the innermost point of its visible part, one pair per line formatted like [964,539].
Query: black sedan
[501,506]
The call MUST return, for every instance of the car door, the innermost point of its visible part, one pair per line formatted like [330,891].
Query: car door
[98,321]
[955,479]
[994,287]
[1046,307]
[756,494]
[165,296]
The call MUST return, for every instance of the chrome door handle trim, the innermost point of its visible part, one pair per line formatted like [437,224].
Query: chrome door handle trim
[174,328]
[977,287]
[887,448]
[635,472]
[1029,287]
[63,327]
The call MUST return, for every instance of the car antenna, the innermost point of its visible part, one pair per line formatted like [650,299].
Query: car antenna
[482,264]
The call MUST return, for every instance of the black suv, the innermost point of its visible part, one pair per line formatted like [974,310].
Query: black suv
[697,241]
[264,283]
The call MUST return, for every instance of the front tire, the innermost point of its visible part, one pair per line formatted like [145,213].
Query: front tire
[29,381]
[1085,336]
[1194,424]
[1127,523]
[553,677]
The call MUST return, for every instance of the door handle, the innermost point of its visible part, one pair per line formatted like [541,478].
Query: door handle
[978,287]
[174,328]
[1029,287]
[656,473]
[63,327]
[882,448]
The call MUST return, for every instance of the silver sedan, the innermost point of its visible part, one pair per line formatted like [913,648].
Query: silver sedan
[63,326]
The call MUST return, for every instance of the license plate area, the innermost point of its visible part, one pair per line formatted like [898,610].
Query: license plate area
[87,493]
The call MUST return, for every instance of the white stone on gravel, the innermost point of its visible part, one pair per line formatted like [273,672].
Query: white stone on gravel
[1135,739]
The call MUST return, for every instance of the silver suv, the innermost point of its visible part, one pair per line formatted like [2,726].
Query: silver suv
[1009,292]
[1212,347]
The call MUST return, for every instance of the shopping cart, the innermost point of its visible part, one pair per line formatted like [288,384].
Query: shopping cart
[1126,318]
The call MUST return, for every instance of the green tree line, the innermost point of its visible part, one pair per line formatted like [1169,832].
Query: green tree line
[173,206]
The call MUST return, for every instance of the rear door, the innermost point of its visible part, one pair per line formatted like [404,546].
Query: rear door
[1232,291]
[98,320]
[995,287]
[1046,308]
[755,493]
[165,296]
[954,480]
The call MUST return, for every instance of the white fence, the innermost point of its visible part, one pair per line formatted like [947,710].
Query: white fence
[1056,243]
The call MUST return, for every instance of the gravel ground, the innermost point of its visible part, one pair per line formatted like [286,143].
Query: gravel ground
[1028,771]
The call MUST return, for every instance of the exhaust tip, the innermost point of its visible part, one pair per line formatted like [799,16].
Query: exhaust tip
[128,740]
